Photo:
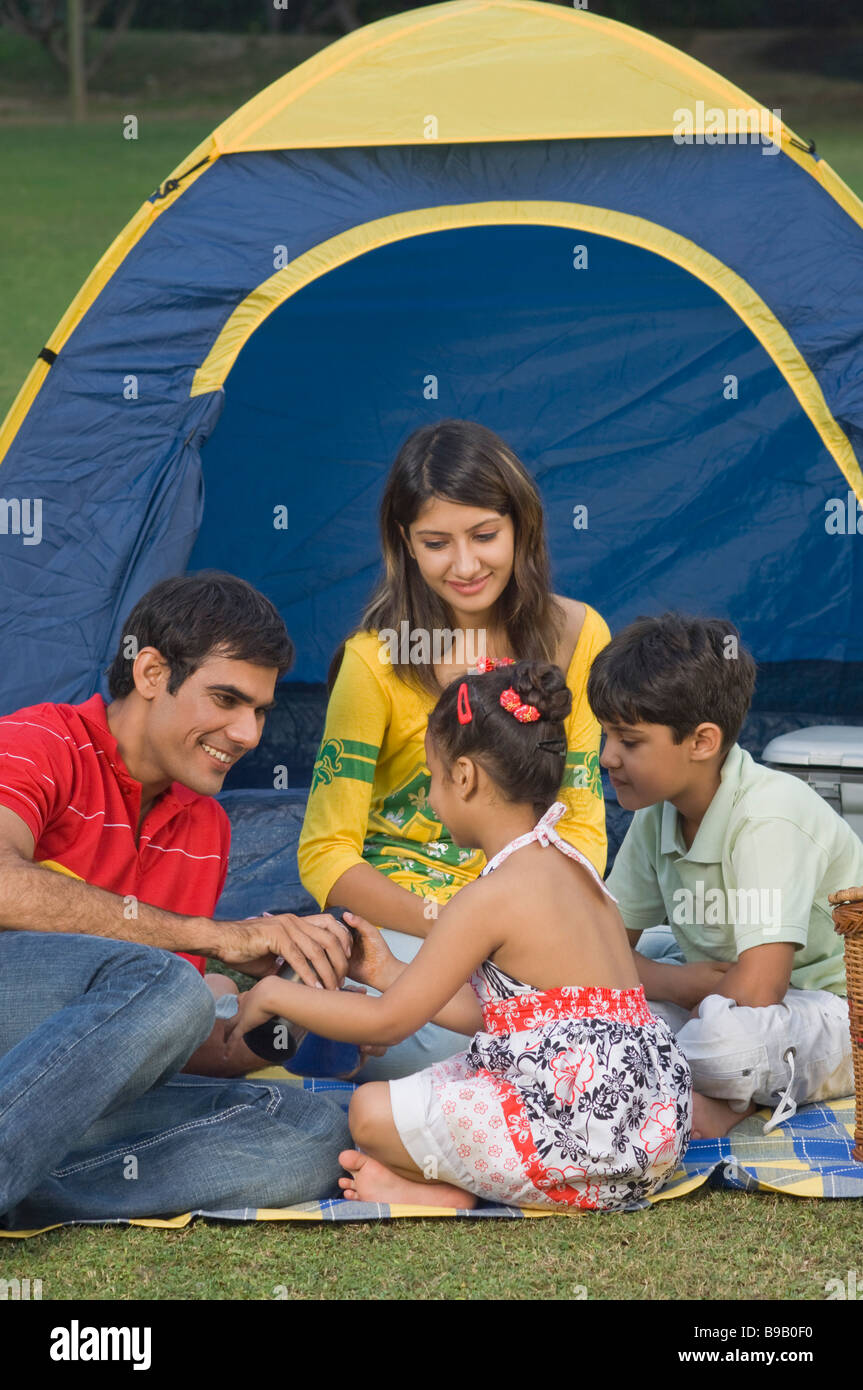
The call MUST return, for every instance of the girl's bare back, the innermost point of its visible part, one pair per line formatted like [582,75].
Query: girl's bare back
[558,927]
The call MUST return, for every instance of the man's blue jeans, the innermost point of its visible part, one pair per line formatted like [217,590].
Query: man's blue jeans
[94,1120]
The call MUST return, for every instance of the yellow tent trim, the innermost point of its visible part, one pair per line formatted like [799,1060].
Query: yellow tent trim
[499,70]
[338,250]
[488,70]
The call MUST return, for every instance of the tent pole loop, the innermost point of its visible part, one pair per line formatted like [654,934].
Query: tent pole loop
[171,185]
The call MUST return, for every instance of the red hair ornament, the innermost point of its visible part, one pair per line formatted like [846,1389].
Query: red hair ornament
[491,663]
[525,714]
[463,709]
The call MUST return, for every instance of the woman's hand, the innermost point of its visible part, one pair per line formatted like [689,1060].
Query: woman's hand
[256,1006]
[372,962]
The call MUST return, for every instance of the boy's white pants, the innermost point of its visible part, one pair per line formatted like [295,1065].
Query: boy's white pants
[739,1054]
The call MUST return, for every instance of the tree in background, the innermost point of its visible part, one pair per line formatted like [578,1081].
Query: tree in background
[256,16]
[48,22]
[323,16]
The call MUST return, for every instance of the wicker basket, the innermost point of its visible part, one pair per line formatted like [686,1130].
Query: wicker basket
[848,917]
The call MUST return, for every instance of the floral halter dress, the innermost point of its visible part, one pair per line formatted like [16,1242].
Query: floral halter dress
[570,1097]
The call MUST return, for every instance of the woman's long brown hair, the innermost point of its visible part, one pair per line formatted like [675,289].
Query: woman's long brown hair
[461,461]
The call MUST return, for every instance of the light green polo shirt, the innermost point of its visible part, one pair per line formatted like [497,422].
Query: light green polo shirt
[766,855]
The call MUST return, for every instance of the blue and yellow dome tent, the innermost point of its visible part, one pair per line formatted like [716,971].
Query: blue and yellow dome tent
[474,209]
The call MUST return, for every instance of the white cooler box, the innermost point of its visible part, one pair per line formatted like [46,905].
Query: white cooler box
[830,758]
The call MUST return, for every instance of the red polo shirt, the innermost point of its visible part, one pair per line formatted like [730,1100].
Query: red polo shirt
[61,772]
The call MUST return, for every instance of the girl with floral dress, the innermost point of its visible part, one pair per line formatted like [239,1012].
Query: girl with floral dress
[571,1093]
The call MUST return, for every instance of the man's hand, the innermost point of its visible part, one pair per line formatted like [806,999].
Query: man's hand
[372,962]
[317,947]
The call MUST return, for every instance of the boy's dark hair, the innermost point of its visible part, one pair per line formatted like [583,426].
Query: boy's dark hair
[674,670]
[526,761]
[193,615]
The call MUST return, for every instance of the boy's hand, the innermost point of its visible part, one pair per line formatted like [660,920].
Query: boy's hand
[372,962]
[693,982]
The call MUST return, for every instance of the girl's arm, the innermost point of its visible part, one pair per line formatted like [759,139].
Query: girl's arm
[373,963]
[462,1014]
[463,935]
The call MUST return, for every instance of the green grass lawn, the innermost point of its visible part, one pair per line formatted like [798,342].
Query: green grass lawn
[726,1246]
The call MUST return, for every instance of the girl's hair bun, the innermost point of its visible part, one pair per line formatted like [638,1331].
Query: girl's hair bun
[526,759]
[544,685]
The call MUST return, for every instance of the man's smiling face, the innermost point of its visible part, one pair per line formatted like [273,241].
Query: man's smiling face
[196,735]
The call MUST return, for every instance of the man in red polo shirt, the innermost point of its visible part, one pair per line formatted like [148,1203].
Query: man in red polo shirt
[95,1023]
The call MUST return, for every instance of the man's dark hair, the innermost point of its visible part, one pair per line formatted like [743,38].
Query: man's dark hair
[674,670]
[192,616]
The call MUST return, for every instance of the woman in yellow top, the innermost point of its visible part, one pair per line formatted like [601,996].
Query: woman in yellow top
[466,578]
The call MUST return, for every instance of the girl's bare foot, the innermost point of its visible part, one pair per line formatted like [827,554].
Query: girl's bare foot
[371,1181]
[712,1119]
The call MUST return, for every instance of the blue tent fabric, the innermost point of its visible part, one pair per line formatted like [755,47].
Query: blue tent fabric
[634,428]
[126,482]
[263,875]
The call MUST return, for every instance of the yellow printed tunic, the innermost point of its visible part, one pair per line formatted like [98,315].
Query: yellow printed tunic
[370,786]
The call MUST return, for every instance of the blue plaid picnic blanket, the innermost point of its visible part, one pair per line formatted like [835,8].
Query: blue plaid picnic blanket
[807,1156]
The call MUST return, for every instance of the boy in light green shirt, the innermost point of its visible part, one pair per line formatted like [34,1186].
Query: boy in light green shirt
[738,860]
